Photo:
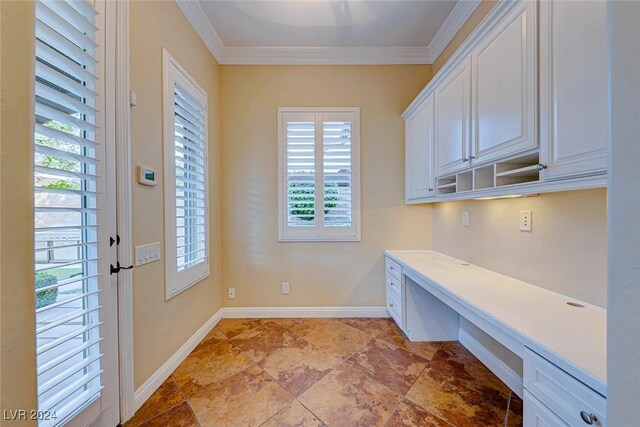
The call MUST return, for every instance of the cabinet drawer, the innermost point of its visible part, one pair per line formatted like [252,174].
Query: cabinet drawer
[394,286]
[562,393]
[394,307]
[536,415]
[393,268]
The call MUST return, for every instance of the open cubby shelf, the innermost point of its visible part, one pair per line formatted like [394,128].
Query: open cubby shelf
[517,170]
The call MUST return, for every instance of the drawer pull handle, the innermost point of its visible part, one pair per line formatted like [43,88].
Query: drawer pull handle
[391,267]
[390,305]
[392,284]
[588,418]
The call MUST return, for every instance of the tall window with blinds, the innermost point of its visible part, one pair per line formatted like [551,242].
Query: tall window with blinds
[186,179]
[67,163]
[319,180]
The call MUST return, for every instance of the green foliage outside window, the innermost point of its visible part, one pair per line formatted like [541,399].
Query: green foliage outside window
[48,296]
[56,162]
[301,199]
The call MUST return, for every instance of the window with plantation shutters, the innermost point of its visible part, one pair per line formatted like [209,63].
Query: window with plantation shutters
[186,179]
[318,174]
[68,243]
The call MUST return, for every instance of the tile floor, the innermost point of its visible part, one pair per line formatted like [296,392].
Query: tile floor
[333,372]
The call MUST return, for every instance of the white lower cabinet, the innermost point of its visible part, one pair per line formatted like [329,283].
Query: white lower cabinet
[536,415]
[558,399]
[395,292]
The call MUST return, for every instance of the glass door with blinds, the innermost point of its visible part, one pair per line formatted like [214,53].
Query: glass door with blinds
[76,330]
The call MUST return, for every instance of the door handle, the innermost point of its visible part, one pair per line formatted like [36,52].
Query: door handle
[117,268]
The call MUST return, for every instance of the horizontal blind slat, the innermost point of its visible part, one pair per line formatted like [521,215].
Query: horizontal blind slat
[63,99]
[49,16]
[68,391]
[63,136]
[65,356]
[66,319]
[68,282]
[63,62]
[52,38]
[53,114]
[61,172]
[43,149]
[53,344]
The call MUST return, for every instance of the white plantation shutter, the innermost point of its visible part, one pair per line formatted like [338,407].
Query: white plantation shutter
[319,182]
[186,179]
[67,237]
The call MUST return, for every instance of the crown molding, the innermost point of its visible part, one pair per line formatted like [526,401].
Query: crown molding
[459,15]
[292,55]
[324,55]
[197,17]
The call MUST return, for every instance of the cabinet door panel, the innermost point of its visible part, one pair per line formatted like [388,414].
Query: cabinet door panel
[536,415]
[419,152]
[573,88]
[504,87]
[452,121]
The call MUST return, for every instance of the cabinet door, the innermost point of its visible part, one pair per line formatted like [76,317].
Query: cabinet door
[419,152]
[504,87]
[573,88]
[536,415]
[452,121]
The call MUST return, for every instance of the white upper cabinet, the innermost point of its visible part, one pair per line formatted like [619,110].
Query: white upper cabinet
[504,87]
[452,115]
[573,88]
[418,152]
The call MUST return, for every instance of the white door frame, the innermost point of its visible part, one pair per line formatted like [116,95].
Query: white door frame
[124,209]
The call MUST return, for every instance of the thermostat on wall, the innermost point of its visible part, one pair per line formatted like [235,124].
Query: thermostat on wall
[146,175]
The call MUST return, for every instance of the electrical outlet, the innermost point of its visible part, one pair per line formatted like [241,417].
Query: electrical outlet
[465,218]
[525,220]
[232,293]
[285,288]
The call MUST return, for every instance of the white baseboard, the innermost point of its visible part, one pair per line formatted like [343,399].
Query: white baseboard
[266,312]
[154,381]
[497,366]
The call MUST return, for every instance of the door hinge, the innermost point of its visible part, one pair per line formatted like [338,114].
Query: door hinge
[116,240]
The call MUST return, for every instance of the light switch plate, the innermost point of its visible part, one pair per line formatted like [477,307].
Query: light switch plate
[231,293]
[466,218]
[147,253]
[525,221]
[285,288]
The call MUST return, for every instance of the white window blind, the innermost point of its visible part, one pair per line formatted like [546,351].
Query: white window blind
[66,195]
[319,180]
[186,172]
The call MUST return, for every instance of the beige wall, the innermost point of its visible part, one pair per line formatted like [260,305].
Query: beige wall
[483,9]
[17,327]
[565,252]
[321,274]
[160,327]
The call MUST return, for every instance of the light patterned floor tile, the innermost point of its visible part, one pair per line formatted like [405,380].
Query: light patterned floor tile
[248,398]
[347,397]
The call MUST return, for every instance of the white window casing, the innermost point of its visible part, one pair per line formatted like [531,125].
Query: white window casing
[186,179]
[318,174]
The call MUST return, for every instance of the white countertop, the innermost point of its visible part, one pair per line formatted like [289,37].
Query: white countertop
[572,338]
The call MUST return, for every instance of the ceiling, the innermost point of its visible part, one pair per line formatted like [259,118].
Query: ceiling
[327,31]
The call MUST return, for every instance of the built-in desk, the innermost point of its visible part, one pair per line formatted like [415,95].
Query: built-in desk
[563,345]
